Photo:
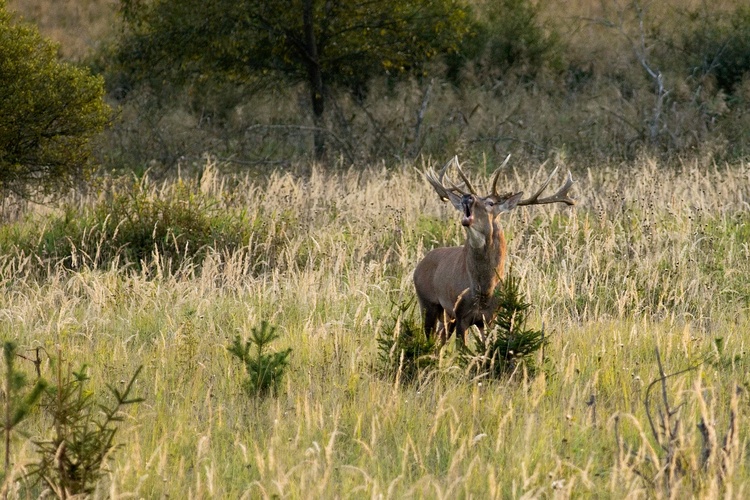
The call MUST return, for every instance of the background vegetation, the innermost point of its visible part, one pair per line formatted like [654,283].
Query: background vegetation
[50,111]
[593,81]
[210,217]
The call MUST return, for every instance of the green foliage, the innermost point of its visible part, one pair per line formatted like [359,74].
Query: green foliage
[717,44]
[144,227]
[508,342]
[49,112]
[16,405]
[73,460]
[319,43]
[134,225]
[514,38]
[404,351]
[264,371]
[341,429]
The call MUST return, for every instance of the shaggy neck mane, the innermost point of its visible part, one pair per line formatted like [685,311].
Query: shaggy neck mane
[486,264]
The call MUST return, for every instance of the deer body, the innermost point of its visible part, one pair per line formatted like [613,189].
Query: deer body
[456,285]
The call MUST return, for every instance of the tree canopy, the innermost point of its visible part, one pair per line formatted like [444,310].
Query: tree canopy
[322,43]
[49,111]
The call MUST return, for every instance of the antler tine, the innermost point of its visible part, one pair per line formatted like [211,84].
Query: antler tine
[561,196]
[464,178]
[436,180]
[445,168]
[496,176]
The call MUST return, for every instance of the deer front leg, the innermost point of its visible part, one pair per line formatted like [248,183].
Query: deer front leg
[447,325]
[462,327]
[442,334]
[481,333]
[431,314]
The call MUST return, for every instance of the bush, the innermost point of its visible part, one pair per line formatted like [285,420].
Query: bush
[137,224]
[404,351]
[72,461]
[508,342]
[717,45]
[49,112]
[17,405]
[166,229]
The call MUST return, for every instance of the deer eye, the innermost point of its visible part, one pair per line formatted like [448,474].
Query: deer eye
[489,203]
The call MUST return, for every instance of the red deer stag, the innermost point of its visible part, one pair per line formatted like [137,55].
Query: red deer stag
[455,285]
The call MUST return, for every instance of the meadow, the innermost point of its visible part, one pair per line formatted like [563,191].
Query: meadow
[650,258]
[195,231]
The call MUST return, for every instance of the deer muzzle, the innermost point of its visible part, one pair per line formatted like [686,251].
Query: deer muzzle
[468,206]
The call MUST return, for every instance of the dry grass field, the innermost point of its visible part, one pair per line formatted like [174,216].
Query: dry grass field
[643,287]
[649,258]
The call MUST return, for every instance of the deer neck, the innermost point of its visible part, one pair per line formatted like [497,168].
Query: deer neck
[485,259]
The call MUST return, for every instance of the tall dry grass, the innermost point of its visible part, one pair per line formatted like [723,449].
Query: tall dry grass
[650,258]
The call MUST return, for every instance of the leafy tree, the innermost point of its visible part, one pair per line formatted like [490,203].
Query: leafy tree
[49,111]
[322,43]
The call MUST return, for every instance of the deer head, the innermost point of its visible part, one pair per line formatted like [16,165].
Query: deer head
[455,285]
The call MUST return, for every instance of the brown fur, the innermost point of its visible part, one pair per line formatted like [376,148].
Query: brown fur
[455,285]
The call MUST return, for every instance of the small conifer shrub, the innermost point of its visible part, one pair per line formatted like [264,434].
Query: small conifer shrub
[508,342]
[17,405]
[264,370]
[73,460]
[404,351]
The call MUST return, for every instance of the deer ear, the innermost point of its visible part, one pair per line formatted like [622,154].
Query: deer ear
[508,204]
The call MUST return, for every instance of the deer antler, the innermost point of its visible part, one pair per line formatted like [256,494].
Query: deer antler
[453,193]
[496,176]
[447,192]
[561,196]
[464,178]
[436,180]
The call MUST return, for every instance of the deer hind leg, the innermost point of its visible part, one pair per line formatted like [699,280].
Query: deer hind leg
[431,315]
[464,327]
[444,332]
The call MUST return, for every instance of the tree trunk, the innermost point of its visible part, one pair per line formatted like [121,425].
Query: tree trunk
[314,82]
